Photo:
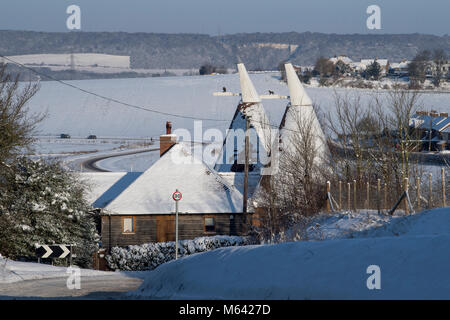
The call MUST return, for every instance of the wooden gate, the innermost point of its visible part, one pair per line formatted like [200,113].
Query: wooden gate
[165,228]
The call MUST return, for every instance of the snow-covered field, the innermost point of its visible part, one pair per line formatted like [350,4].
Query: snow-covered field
[411,252]
[78,59]
[79,114]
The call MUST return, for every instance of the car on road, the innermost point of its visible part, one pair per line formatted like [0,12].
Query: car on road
[92,136]
[64,136]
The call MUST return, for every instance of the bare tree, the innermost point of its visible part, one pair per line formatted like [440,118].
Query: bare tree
[439,59]
[418,68]
[297,190]
[374,140]
[16,123]
[324,68]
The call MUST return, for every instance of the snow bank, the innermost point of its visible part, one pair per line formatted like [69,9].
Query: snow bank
[150,255]
[413,266]
[372,224]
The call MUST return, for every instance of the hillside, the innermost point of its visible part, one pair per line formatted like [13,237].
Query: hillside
[256,50]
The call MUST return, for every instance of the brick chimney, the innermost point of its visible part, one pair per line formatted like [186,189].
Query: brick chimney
[166,141]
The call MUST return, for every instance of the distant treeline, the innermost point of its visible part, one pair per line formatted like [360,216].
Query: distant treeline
[190,51]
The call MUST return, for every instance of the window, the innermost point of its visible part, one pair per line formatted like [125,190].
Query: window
[210,224]
[128,225]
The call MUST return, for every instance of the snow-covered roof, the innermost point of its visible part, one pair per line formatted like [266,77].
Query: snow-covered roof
[400,65]
[203,190]
[381,62]
[300,111]
[250,107]
[248,90]
[103,187]
[344,59]
[439,123]
[236,179]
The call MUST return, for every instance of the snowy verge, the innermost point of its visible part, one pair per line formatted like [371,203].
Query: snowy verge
[414,265]
[370,224]
[150,255]
[14,271]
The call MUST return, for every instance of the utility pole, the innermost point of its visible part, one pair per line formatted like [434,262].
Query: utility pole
[247,127]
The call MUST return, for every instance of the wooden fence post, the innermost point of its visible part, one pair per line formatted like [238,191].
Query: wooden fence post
[368,195]
[430,195]
[444,202]
[378,195]
[348,196]
[385,196]
[405,189]
[418,192]
[340,195]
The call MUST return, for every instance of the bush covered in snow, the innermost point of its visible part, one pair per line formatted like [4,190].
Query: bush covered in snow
[150,255]
[40,203]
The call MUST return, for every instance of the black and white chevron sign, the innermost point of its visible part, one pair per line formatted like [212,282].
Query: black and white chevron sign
[53,251]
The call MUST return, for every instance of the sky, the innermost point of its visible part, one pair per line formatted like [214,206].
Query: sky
[228,16]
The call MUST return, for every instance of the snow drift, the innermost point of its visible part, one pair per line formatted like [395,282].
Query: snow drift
[413,266]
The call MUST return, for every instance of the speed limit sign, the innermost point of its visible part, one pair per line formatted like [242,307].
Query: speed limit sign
[177,195]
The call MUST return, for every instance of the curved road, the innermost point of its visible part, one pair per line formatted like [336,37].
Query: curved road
[91,287]
[90,164]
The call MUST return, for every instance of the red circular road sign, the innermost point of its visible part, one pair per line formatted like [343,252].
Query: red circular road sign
[177,195]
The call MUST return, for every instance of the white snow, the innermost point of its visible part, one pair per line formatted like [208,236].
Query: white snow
[414,265]
[204,191]
[262,134]
[300,116]
[131,163]
[78,114]
[14,271]
[98,184]
[79,59]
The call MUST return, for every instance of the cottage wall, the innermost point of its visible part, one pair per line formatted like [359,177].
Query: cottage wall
[161,228]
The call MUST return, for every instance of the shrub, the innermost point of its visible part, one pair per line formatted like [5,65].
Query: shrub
[148,256]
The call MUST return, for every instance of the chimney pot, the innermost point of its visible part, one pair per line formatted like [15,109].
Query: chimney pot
[166,141]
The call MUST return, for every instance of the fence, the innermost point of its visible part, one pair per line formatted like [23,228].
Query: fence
[414,194]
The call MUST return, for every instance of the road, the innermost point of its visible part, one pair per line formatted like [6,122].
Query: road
[91,287]
[90,163]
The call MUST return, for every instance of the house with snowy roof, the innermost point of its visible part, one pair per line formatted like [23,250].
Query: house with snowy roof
[432,128]
[365,63]
[145,211]
[141,209]
[399,69]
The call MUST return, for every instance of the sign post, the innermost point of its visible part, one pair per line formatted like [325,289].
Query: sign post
[176,197]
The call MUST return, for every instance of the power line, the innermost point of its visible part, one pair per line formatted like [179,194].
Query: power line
[111,99]
[129,104]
